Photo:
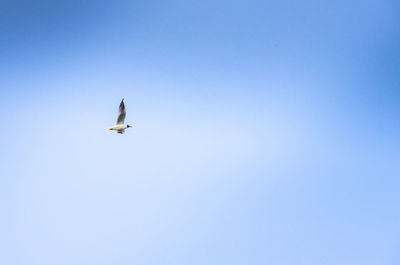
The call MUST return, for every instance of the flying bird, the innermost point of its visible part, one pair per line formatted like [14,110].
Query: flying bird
[120,126]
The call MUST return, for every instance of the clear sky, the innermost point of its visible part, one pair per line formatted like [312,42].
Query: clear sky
[264,132]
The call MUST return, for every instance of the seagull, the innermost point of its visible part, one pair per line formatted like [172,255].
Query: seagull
[120,126]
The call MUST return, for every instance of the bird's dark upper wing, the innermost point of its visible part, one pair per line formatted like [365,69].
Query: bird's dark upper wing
[122,113]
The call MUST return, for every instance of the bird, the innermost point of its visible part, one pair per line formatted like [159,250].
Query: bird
[120,126]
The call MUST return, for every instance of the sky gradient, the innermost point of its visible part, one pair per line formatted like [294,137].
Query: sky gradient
[264,132]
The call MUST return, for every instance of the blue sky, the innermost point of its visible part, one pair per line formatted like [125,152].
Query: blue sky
[264,132]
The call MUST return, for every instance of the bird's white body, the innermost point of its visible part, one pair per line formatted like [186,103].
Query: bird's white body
[120,126]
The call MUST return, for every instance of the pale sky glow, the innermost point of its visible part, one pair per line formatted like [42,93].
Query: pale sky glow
[264,132]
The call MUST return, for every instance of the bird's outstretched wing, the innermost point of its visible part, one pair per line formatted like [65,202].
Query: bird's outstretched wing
[122,113]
